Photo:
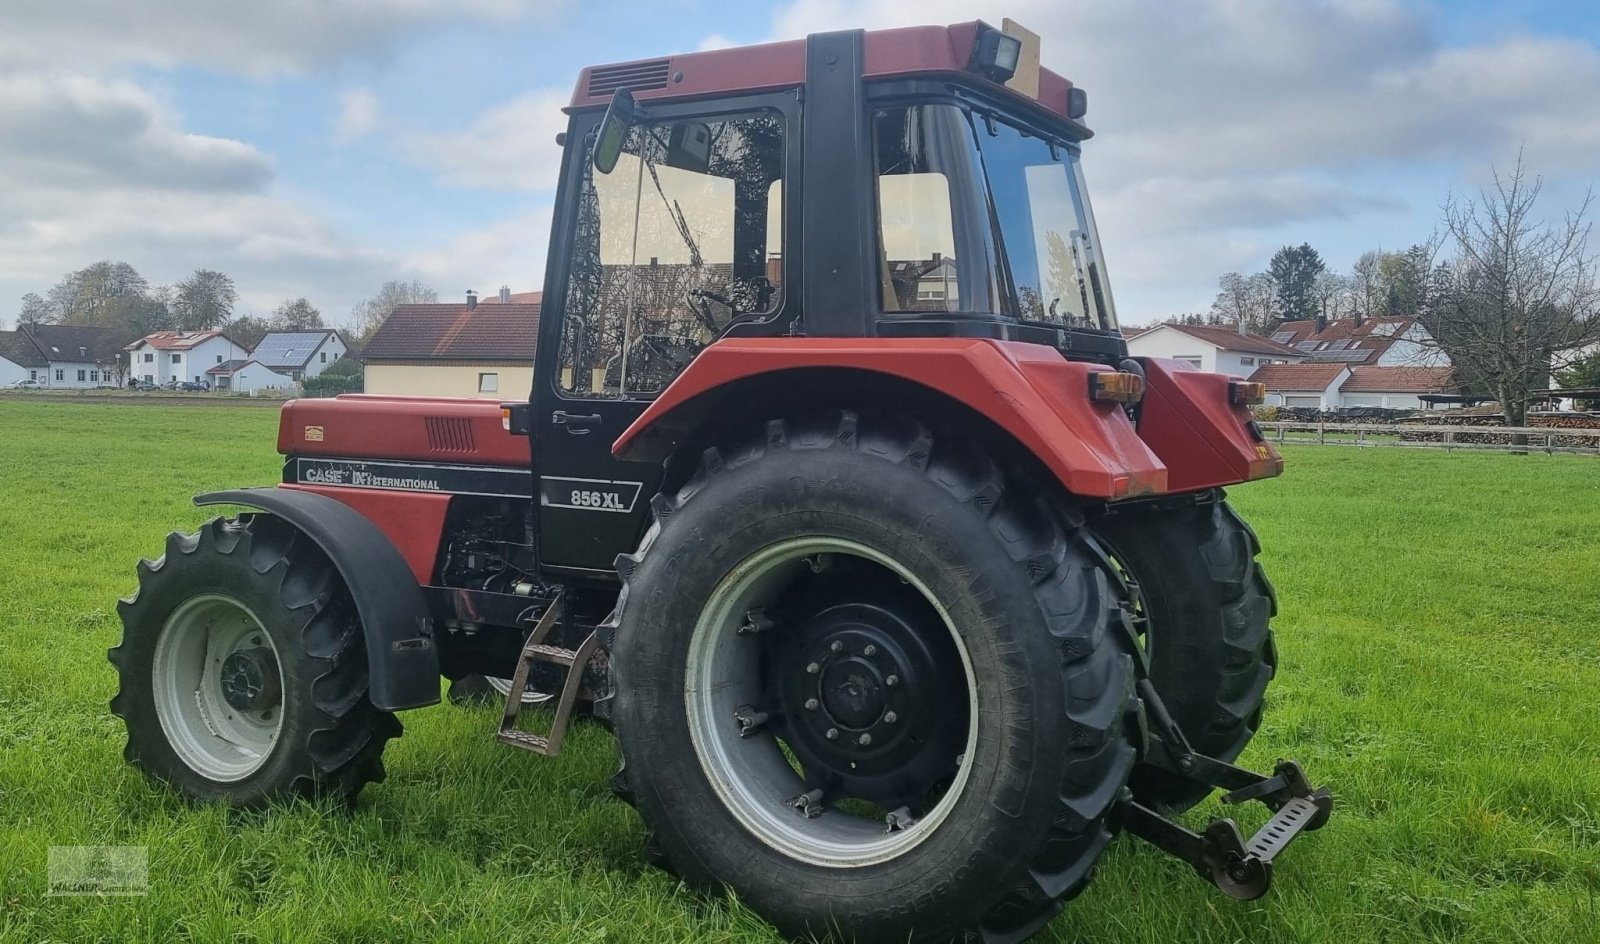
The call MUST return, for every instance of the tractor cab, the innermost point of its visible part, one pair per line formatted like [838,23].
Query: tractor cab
[922,182]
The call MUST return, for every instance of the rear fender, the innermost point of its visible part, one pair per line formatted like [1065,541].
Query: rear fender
[402,659]
[1030,391]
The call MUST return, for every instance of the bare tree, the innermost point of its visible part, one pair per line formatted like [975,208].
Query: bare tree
[1518,298]
[371,312]
[34,310]
[1252,300]
[1334,295]
[203,300]
[296,314]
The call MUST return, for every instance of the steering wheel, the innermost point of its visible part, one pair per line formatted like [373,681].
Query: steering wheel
[697,303]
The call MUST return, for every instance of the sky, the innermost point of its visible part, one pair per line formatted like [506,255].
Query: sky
[318,148]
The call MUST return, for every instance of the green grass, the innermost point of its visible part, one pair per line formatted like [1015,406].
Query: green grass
[1440,669]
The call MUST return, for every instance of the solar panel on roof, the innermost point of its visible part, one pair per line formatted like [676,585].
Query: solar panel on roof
[1338,345]
[1307,345]
[1283,337]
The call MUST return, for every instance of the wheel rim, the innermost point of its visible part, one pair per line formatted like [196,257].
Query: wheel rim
[503,686]
[217,681]
[759,691]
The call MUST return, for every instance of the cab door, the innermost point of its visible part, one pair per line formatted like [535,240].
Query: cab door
[649,264]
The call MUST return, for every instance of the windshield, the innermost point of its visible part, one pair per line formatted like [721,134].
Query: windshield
[976,215]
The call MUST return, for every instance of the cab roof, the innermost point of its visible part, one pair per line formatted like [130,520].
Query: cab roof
[906,52]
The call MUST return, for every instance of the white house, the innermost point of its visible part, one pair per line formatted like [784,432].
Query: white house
[1331,386]
[60,356]
[1303,385]
[19,359]
[1220,350]
[1373,342]
[246,376]
[168,356]
[300,354]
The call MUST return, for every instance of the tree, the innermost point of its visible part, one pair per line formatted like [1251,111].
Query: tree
[246,330]
[35,310]
[296,315]
[203,300]
[1251,300]
[1521,298]
[371,312]
[1294,271]
[1334,295]
[1583,373]
[105,294]
[1403,279]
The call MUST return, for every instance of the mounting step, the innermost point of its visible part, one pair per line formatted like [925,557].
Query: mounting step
[571,660]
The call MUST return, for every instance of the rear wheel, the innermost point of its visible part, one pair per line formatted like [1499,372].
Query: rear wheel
[243,672]
[1203,606]
[872,686]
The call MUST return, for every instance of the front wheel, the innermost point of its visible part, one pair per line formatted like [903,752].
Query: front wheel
[243,671]
[1203,605]
[872,685]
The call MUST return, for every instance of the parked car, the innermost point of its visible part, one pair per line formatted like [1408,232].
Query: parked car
[142,385]
[28,385]
[190,386]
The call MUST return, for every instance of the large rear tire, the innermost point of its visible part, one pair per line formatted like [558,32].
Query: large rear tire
[243,671]
[753,646]
[1204,606]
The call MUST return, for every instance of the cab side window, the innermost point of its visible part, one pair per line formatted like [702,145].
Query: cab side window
[682,238]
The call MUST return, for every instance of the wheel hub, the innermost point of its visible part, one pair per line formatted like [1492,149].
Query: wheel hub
[861,692]
[250,680]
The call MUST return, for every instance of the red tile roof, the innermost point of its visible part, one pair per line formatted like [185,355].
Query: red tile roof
[1298,376]
[517,298]
[175,340]
[491,331]
[1400,380]
[1229,339]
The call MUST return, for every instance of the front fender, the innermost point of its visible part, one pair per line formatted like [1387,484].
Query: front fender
[402,659]
[1029,390]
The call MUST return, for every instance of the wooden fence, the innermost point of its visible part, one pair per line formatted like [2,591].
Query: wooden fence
[1545,439]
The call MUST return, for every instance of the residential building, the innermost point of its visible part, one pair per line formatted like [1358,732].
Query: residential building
[19,359]
[1396,388]
[460,350]
[1333,386]
[300,354]
[1303,385]
[1214,348]
[1374,342]
[178,356]
[60,356]
[247,376]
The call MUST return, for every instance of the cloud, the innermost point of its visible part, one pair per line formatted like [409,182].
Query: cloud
[358,114]
[71,130]
[506,252]
[511,146]
[715,41]
[242,35]
[1222,124]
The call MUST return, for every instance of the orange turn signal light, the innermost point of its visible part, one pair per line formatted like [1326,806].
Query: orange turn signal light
[1242,393]
[1116,386]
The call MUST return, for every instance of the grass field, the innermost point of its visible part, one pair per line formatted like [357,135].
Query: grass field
[1440,669]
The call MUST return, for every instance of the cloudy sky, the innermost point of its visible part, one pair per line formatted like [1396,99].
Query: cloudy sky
[320,147]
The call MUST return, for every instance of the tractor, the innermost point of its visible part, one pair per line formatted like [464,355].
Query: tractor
[837,499]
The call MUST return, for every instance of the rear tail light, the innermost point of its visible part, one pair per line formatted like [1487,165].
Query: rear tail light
[1241,393]
[1115,386]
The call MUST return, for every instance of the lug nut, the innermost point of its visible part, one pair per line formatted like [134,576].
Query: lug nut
[871,650]
[864,740]
[890,717]
[833,734]
[892,681]
[812,704]
[813,668]
[836,646]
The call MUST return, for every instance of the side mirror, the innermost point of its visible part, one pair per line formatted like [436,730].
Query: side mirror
[620,116]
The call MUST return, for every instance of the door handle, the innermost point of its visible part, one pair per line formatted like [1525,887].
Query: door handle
[578,424]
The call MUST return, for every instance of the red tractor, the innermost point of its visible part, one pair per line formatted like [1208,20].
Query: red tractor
[837,497]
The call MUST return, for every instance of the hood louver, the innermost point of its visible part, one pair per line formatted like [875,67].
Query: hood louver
[635,77]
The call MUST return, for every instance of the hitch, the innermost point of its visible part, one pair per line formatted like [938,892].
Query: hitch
[1241,869]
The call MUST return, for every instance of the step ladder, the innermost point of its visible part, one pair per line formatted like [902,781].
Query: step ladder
[572,662]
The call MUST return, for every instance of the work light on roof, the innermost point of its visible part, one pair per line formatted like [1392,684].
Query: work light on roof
[996,55]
